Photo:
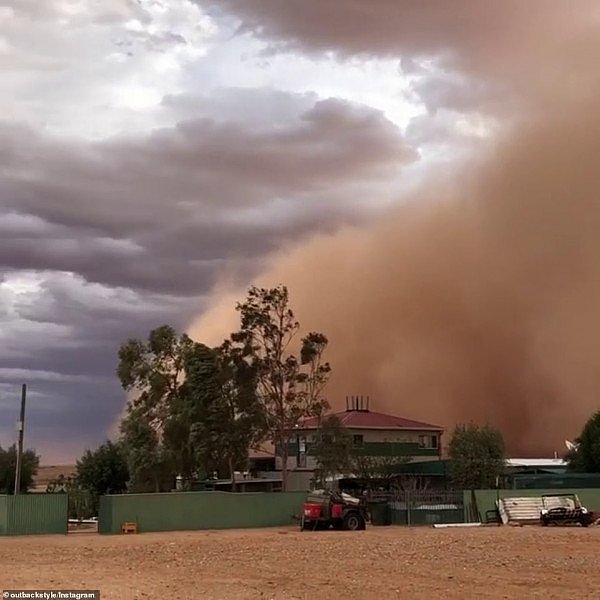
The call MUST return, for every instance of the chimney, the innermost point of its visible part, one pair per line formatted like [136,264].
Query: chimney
[357,403]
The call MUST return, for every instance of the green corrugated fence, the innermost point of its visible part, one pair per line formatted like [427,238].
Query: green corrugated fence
[557,481]
[3,515]
[33,514]
[198,510]
[480,502]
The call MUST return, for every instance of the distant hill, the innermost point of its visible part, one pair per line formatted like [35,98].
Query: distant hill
[47,473]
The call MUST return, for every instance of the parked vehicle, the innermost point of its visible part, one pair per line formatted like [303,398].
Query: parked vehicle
[564,509]
[324,509]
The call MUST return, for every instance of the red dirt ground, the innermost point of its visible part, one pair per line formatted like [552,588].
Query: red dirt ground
[380,563]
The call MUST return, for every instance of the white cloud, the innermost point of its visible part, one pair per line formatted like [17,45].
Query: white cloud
[93,68]
[90,68]
[38,375]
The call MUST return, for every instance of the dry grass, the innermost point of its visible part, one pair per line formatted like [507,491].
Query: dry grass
[380,563]
[47,473]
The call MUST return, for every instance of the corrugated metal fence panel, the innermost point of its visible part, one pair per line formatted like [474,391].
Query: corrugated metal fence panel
[199,510]
[3,515]
[426,508]
[398,512]
[105,510]
[522,510]
[36,514]
[486,499]
[556,482]
[432,515]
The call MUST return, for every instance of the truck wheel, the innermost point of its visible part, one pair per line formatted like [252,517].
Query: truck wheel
[353,522]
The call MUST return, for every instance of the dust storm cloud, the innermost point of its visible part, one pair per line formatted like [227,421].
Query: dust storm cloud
[477,301]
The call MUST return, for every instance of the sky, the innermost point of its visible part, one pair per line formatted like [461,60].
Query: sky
[154,151]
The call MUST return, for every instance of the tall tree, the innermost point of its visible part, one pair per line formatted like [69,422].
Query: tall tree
[226,418]
[332,450]
[290,387]
[153,372]
[104,470]
[476,457]
[8,468]
[149,468]
[193,411]
[586,457]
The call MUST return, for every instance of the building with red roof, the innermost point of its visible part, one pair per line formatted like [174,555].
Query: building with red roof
[366,419]
[373,434]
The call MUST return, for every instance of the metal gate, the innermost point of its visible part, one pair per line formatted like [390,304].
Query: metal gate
[424,508]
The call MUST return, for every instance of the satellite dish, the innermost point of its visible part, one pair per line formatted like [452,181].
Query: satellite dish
[570,445]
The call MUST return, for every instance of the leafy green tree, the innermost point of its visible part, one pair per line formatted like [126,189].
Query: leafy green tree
[477,459]
[8,467]
[373,470]
[149,469]
[153,372]
[104,470]
[194,409]
[227,419]
[290,387]
[332,450]
[586,457]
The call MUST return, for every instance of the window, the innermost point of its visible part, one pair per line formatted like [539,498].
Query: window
[429,441]
[357,440]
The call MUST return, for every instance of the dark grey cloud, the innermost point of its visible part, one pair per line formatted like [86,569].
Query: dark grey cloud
[529,44]
[103,240]
[60,335]
[161,212]
[468,31]
[62,418]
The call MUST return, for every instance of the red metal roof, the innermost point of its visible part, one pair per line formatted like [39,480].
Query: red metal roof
[363,419]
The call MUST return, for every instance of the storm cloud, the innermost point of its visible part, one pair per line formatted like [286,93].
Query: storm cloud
[101,240]
[158,157]
[477,299]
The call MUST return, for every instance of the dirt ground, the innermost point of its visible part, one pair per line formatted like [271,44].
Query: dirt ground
[380,563]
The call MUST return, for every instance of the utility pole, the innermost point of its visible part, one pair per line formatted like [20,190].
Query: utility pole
[21,427]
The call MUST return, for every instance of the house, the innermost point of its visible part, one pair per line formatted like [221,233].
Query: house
[373,434]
